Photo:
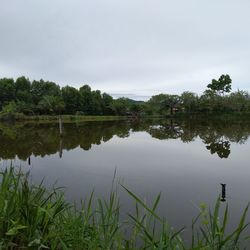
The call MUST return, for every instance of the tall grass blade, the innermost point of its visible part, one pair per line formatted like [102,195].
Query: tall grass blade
[142,203]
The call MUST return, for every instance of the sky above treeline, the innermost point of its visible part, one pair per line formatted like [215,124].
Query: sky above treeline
[133,48]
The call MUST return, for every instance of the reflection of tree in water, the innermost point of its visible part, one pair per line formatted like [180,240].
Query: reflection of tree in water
[222,148]
[166,130]
[24,140]
[43,139]
[219,134]
[216,135]
[216,142]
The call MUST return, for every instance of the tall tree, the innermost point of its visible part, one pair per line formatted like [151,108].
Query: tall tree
[171,102]
[86,99]
[222,85]
[22,89]
[156,104]
[120,106]
[96,102]
[39,89]
[107,102]
[51,105]
[71,97]
[189,101]
[7,91]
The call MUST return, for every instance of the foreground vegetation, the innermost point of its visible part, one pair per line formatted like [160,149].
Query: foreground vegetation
[21,98]
[34,218]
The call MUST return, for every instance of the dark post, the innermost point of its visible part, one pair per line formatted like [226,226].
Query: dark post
[223,192]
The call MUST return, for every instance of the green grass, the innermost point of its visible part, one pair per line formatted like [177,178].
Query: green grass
[32,217]
[54,118]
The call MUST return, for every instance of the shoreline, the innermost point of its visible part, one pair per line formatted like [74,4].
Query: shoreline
[17,117]
[54,118]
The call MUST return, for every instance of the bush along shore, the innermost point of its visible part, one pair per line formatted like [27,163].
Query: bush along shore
[33,217]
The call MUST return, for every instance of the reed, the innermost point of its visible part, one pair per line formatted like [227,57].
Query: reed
[33,217]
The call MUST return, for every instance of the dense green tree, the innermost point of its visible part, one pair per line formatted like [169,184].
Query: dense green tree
[164,103]
[10,108]
[121,106]
[156,104]
[136,109]
[27,108]
[107,104]
[7,91]
[146,109]
[96,102]
[71,98]
[210,101]
[189,101]
[171,102]
[239,101]
[51,105]
[86,99]
[45,97]
[222,85]
[39,89]
[22,89]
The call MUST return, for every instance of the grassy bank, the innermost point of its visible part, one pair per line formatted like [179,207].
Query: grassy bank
[213,115]
[53,118]
[18,117]
[33,217]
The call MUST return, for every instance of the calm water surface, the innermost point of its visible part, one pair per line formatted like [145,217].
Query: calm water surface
[186,160]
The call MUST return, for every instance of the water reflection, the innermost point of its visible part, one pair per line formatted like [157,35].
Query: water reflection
[167,130]
[217,136]
[24,140]
[222,148]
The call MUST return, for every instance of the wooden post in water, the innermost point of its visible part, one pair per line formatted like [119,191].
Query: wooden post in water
[60,126]
[61,148]
[223,192]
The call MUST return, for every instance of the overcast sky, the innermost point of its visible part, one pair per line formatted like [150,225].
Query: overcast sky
[136,48]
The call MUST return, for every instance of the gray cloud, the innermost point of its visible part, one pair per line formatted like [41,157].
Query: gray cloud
[139,47]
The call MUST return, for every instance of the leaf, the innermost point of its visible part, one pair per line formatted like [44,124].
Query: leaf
[14,230]
[143,204]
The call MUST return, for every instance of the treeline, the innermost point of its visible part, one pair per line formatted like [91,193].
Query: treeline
[48,98]
[217,98]
[207,103]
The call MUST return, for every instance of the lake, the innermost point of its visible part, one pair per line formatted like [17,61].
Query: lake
[186,160]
